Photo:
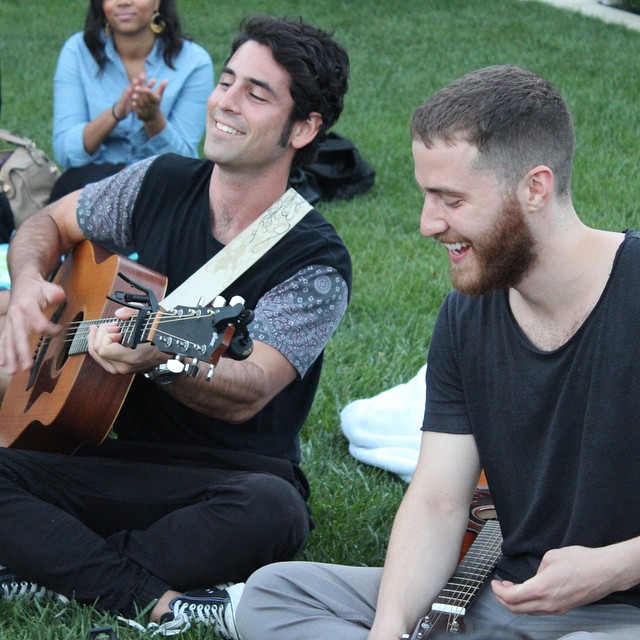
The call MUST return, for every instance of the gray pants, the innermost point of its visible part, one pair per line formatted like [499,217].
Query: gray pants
[309,601]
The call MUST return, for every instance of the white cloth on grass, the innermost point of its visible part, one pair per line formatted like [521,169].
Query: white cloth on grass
[384,431]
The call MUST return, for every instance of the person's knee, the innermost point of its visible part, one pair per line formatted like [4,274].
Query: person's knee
[266,589]
[275,510]
[273,578]
[261,514]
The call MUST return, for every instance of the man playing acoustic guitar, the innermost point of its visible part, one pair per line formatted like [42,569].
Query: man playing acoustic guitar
[533,373]
[202,484]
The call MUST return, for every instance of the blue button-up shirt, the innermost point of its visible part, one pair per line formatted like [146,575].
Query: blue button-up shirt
[82,92]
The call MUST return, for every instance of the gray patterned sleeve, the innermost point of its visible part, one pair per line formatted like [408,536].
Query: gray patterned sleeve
[299,316]
[104,208]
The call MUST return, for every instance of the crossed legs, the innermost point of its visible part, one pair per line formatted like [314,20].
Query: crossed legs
[123,533]
[293,600]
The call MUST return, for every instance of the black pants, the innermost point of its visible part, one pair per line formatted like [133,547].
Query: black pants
[119,533]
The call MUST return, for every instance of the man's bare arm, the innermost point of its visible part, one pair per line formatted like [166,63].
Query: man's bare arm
[427,532]
[237,391]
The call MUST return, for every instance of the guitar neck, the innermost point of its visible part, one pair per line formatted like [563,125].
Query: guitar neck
[472,572]
[78,335]
[449,608]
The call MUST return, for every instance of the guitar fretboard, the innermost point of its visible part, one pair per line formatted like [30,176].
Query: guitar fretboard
[80,333]
[472,572]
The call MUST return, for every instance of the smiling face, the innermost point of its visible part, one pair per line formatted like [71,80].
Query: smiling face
[484,230]
[129,16]
[248,111]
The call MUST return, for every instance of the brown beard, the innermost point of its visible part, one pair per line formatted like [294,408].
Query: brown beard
[504,256]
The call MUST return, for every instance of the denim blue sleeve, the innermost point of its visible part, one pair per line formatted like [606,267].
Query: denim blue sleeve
[82,92]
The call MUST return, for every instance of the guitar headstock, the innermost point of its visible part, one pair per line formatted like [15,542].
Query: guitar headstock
[203,334]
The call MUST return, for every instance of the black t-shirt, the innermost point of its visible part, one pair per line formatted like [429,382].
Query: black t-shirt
[558,432]
[171,233]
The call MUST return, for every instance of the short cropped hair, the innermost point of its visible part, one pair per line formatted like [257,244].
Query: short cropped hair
[516,119]
[317,64]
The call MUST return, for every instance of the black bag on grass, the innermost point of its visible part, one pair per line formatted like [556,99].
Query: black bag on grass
[339,172]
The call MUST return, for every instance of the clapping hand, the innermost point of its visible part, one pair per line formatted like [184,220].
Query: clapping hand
[145,99]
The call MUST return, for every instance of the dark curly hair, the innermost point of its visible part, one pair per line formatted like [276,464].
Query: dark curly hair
[172,36]
[317,64]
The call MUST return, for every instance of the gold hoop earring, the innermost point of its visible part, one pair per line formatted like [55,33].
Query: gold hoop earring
[157,25]
[107,30]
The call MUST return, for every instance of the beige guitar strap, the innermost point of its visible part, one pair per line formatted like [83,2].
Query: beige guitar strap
[244,250]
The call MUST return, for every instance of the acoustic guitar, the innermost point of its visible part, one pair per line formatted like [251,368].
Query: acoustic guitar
[66,398]
[480,552]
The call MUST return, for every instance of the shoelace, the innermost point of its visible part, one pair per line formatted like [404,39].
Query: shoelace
[217,613]
[25,589]
[173,627]
[208,614]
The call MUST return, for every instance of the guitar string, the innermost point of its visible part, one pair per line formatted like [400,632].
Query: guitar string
[470,586]
[481,558]
[80,338]
[478,558]
[72,332]
[469,592]
[164,317]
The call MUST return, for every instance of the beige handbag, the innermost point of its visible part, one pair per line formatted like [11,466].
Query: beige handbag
[26,175]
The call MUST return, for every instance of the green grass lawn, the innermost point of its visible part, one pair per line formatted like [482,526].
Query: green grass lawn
[401,51]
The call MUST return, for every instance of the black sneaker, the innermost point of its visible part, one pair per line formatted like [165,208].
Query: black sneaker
[215,607]
[13,587]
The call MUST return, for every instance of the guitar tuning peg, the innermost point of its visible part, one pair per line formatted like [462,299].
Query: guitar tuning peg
[218,301]
[236,300]
[192,369]
[210,371]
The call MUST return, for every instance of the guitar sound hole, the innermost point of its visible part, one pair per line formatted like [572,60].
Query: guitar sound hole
[484,513]
[69,338]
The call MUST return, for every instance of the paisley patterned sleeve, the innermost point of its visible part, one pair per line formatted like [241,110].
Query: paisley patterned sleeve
[104,208]
[299,315]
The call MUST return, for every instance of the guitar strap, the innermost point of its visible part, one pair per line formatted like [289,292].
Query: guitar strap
[245,249]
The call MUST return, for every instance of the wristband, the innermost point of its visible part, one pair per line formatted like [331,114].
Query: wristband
[113,113]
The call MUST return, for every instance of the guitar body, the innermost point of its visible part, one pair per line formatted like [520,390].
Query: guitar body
[67,399]
[480,511]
